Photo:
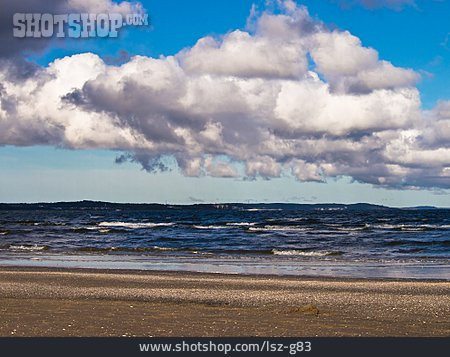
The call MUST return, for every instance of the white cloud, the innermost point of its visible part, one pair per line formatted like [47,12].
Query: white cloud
[248,98]
[104,6]
[351,68]
[219,168]
[243,55]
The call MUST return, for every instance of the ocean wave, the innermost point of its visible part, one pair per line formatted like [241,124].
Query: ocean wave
[28,247]
[352,229]
[210,227]
[290,219]
[89,229]
[409,251]
[134,225]
[298,221]
[26,222]
[294,252]
[278,228]
[4,233]
[410,227]
[243,224]
[133,250]
[394,243]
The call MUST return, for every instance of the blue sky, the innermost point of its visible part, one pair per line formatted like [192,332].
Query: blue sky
[412,37]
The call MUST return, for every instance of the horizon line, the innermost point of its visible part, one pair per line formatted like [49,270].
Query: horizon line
[220,203]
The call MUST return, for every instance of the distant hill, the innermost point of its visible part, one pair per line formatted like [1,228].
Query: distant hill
[157,206]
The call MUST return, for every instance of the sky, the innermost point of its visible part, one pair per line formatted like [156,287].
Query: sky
[231,101]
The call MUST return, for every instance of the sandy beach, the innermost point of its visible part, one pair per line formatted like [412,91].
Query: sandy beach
[81,302]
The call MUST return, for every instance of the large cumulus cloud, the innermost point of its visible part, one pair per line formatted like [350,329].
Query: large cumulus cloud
[290,97]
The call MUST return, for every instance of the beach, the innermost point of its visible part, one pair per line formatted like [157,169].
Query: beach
[91,302]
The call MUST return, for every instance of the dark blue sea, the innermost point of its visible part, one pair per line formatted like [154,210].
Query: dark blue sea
[284,239]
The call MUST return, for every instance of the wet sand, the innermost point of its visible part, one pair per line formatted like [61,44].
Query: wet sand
[85,302]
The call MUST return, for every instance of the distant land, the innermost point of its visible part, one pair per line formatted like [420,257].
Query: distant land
[200,206]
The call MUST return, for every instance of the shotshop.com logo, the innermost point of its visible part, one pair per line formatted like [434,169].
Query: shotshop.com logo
[74,25]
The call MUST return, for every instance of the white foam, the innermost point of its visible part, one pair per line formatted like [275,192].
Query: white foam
[27,248]
[241,224]
[340,228]
[278,228]
[134,225]
[301,253]
[409,227]
[164,249]
[210,227]
[88,228]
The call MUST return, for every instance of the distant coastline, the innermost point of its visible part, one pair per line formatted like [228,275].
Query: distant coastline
[94,204]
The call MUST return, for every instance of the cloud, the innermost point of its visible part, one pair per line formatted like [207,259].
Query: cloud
[103,6]
[291,97]
[13,47]
[361,71]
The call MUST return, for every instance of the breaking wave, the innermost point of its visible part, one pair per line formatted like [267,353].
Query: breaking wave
[135,225]
[294,252]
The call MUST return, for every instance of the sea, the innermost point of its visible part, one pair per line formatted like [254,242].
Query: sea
[326,240]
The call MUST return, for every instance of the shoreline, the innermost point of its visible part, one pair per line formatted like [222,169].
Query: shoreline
[237,265]
[122,271]
[92,302]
